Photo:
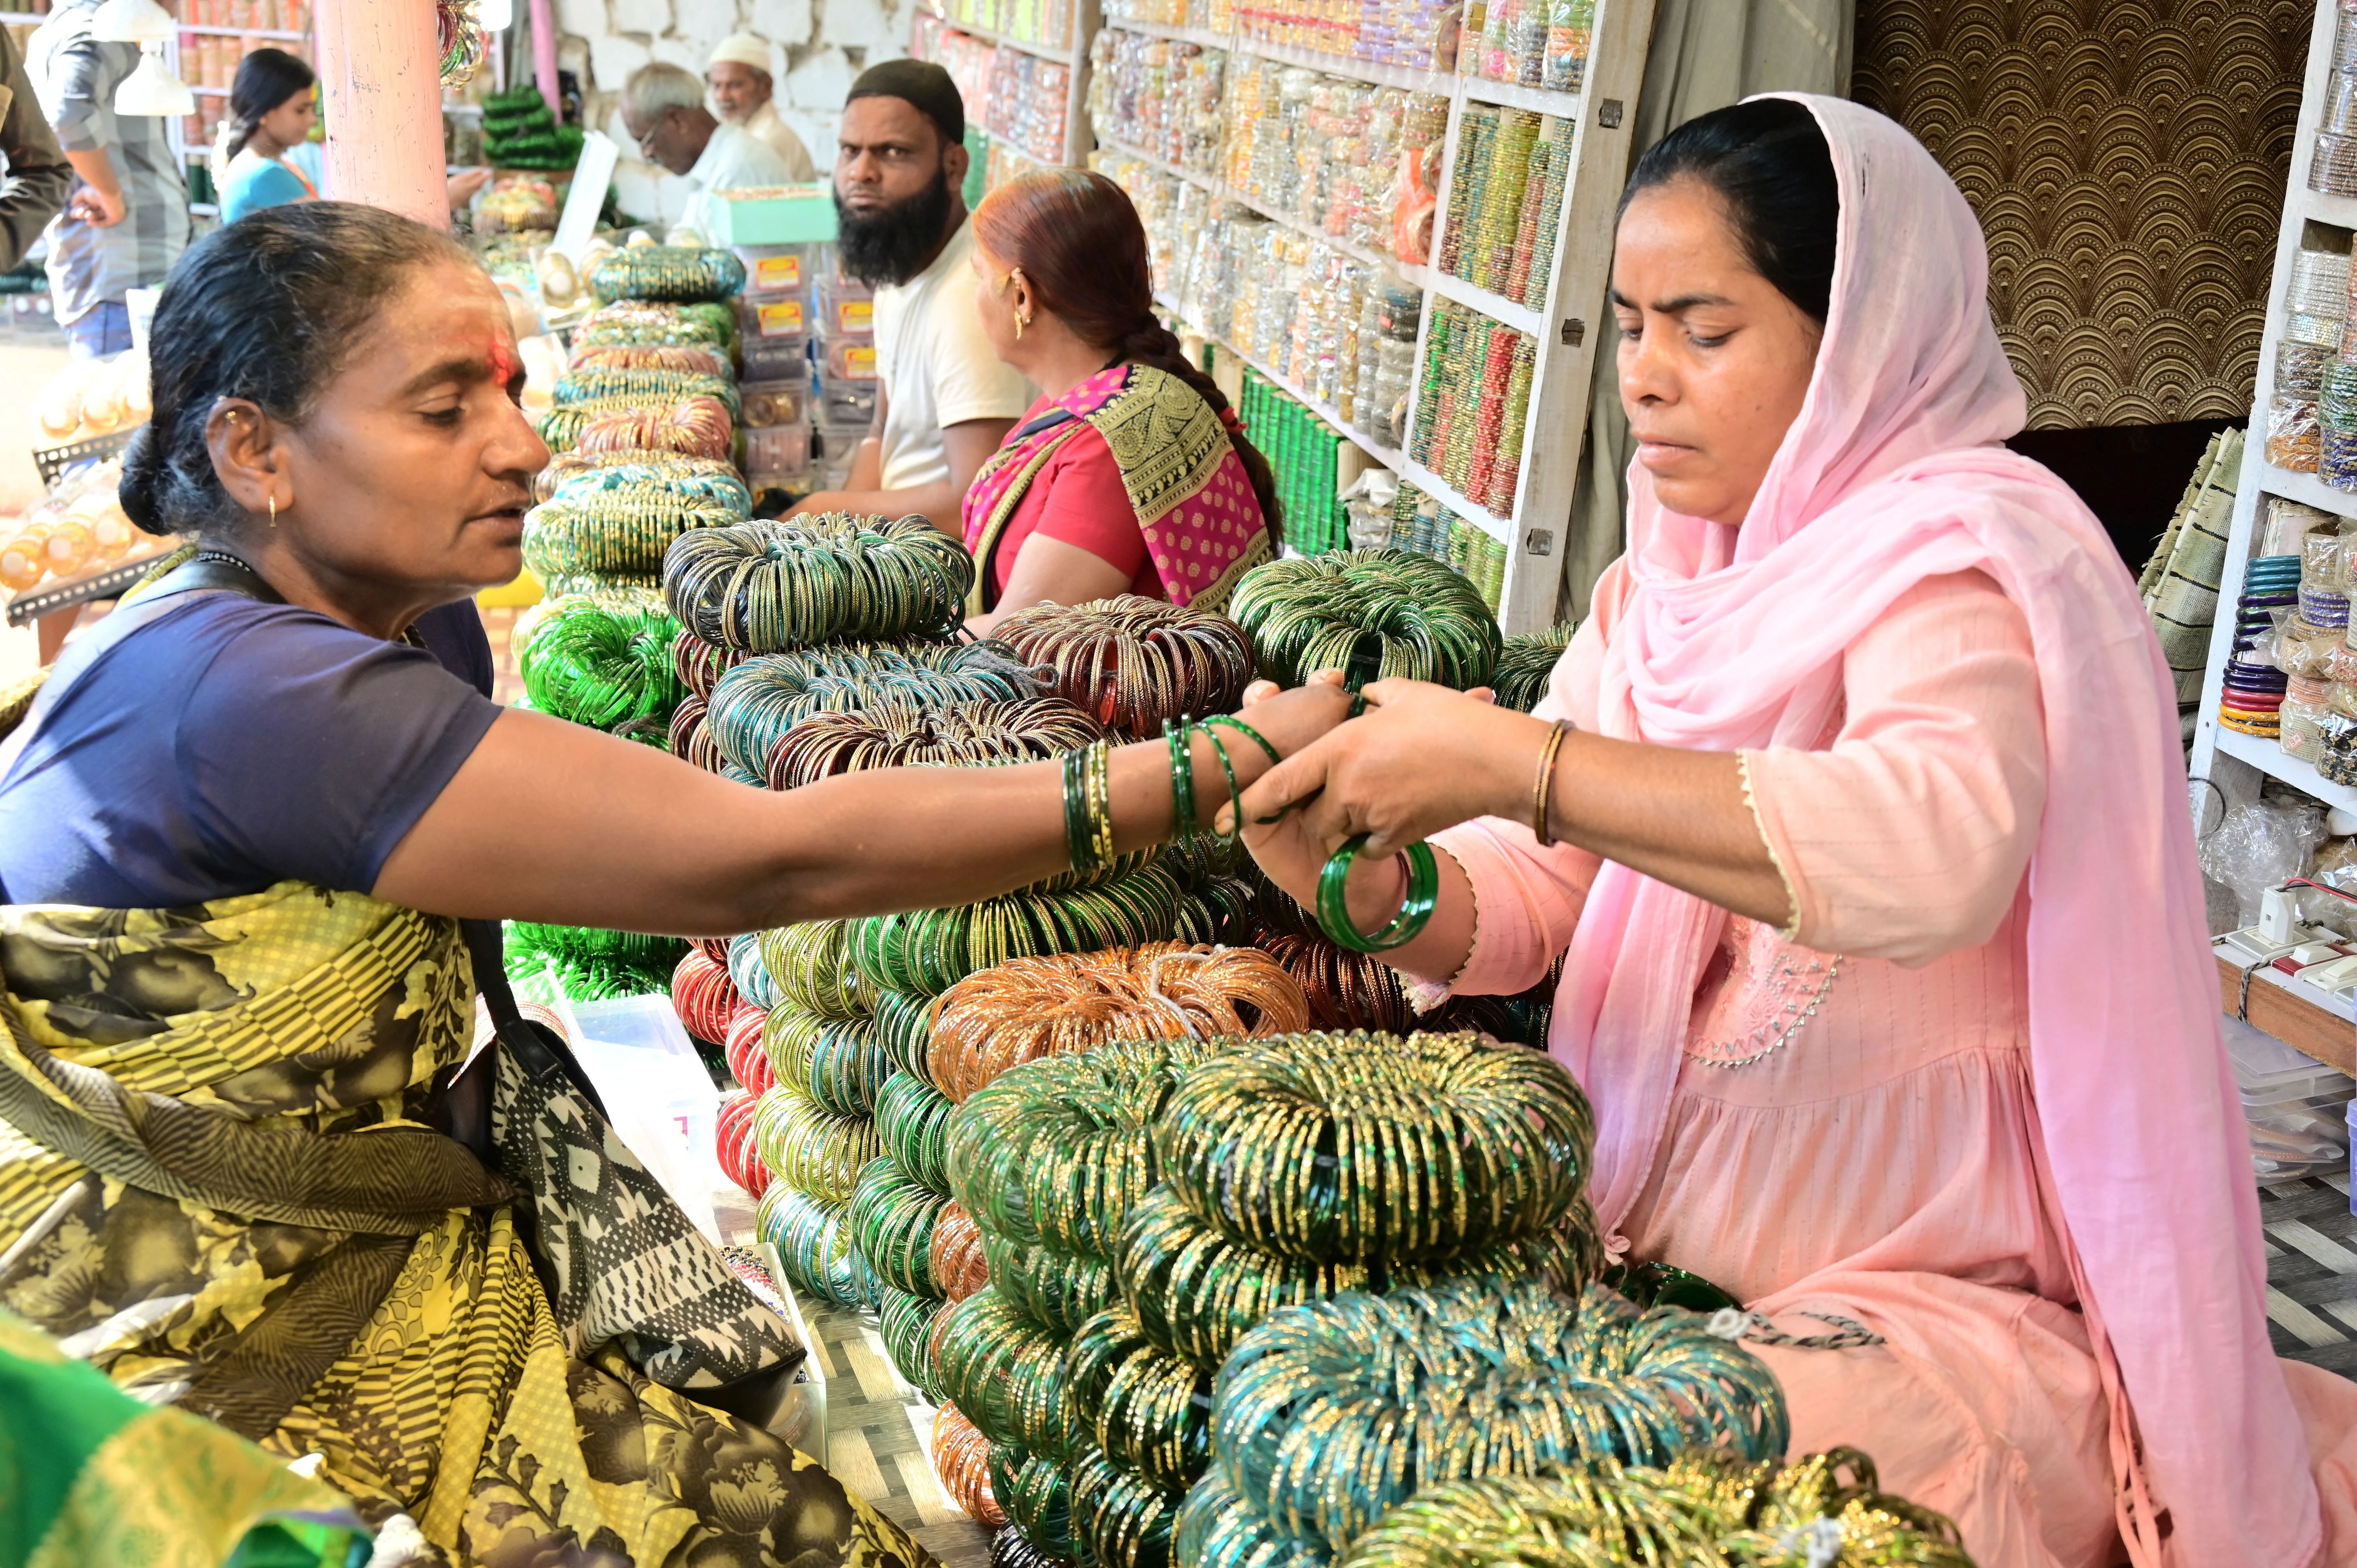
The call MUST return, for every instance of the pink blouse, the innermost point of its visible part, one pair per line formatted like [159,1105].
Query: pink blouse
[1854,1127]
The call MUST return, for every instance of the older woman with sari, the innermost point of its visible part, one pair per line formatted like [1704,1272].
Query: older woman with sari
[244,832]
[1131,475]
[1855,817]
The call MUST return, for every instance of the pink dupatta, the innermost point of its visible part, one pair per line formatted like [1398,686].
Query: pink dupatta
[1733,638]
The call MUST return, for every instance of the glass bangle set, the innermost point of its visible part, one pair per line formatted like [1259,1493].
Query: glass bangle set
[1164,1258]
[1208,1191]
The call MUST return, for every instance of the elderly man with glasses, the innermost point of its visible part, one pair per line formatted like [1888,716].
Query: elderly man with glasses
[663,111]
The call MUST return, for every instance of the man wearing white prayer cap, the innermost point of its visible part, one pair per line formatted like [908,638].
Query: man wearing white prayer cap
[738,75]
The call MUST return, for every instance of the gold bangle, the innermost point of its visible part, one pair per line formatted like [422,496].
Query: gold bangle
[1555,732]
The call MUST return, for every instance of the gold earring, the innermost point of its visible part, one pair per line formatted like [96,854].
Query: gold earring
[1021,321]
[274,509]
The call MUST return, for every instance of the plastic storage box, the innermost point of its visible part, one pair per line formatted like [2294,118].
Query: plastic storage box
[774,271]
[2297,1107]
[773,359]
[845,400]
[785,215]
[848,359]
[786,315]
[781,401]
[777,452]
[834,448]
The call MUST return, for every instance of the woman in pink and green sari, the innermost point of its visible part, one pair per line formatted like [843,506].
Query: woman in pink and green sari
[1131,474]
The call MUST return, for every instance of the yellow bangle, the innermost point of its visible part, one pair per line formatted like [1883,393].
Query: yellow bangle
[1555,732]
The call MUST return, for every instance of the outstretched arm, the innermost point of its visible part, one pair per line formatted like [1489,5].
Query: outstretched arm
[625,837]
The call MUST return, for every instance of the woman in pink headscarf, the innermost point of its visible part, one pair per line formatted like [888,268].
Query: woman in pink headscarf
[1866,853]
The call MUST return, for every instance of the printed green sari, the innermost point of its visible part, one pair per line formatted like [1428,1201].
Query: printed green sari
[221,1186]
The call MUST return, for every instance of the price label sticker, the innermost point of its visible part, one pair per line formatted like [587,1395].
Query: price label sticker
[855,316]
[773,274]
[860,362]
[783,319]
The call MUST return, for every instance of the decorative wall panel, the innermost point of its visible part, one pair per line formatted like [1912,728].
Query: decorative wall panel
[2127,160]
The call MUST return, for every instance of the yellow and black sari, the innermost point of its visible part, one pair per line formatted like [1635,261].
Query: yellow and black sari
[220,1185]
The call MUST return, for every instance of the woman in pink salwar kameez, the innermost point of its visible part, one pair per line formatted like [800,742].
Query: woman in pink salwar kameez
[1867,859]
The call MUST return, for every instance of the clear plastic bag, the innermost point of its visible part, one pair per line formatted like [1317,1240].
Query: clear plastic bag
[2260,845]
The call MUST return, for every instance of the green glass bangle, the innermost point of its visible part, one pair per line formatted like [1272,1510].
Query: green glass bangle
[1080,844]
[1246,730]
[1416,908]
[1182,779]
[1235,796]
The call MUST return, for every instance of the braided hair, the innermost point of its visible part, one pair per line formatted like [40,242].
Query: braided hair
[1078,240]
[265,79]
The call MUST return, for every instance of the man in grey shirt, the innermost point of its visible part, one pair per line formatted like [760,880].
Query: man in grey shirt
[38,173]
[126,220]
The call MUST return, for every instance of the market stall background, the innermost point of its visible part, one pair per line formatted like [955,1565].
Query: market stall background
[1387,244]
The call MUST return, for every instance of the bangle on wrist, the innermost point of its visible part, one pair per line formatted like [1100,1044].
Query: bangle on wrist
[1423,895]
[1235,795]
[1183,827]
[1546,785]
[1088,806]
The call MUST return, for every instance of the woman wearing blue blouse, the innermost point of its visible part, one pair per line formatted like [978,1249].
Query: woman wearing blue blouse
[271,109]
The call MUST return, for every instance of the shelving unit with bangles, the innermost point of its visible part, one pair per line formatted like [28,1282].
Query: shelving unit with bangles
[1285,164]
[2271,705]
[1023,69]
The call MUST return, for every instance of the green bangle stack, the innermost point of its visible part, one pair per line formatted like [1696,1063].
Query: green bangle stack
[576,388]
[929,950]
[912,1119]
[672,273]
[1148,1410]
[1400,614]
[905,1024]
[906,1328]
[1049,1285]
[1440,1144]
[813,1243]
[755,702]
[812,1150]
[1123,1520]
[601,667]
[1036,1495]
[809,965]
[892,1225]
[772,587]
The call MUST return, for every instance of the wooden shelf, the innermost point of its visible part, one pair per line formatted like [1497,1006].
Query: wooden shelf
[1473,296]
[2306,488]
[1440,489]
[2313,1022]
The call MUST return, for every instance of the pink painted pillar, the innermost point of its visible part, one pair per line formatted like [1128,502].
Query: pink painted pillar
[544,54]
[380,74]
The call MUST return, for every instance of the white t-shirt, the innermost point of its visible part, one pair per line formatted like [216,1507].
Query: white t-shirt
[765,125]
[732,160]
[938,366]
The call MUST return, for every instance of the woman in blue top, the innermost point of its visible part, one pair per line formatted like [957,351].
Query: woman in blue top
[239,829]
[271,109]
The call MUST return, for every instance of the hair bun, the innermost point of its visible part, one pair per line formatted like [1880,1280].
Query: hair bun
[139,490]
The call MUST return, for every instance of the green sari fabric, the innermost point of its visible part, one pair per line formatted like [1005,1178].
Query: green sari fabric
[90,1476]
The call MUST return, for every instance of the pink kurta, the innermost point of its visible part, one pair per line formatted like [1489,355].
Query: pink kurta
[1854,1128]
